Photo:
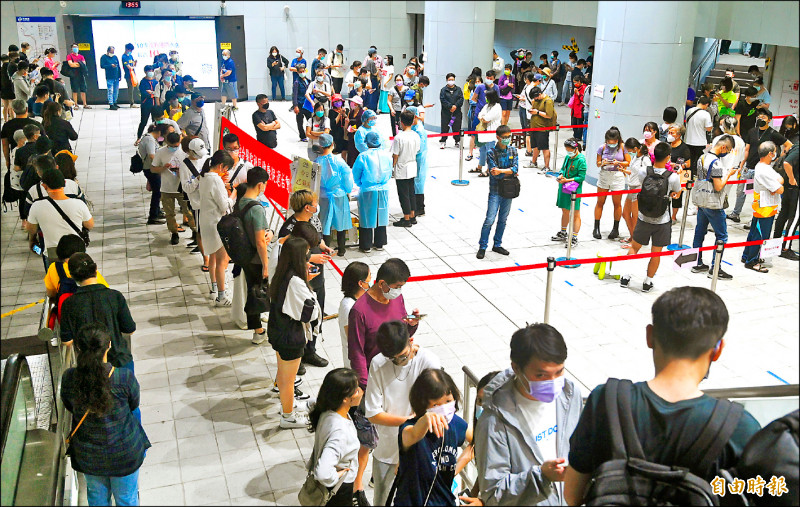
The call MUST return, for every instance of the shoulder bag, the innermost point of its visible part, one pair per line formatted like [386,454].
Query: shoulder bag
[313,493]
[69,438]
[83,232]
[202,121]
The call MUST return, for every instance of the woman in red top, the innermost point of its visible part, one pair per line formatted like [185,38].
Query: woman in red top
[576,105]
[51,63]
[77,80]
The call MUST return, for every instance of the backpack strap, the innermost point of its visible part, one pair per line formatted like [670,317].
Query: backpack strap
[236,173]
[715,435]
[65,217]
[696,110]
[624,441]
[62,274]
[66,443]
[191,167]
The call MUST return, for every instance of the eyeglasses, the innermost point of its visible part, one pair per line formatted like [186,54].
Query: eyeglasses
[402,359]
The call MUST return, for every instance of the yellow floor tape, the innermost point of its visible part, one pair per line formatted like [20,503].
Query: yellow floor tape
[15,310]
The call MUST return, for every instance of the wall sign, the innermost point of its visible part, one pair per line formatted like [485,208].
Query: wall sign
[224,45]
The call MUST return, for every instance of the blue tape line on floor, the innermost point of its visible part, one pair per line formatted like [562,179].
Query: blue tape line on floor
[585,204]
[521,210]
[777,377]
[516,263]
[568,283]
[728,263]
[451,216]
[434,177]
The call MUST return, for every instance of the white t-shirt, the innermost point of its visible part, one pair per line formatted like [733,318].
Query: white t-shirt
[338,59]
[169,178]
[674,186]
[634,179]
[191,184]
[765,182]
[388,386]
[405,145]
[344,313]
[241,177]
[736,156]
[50,222]
[36,192]
[147,146]
[317,125]
[541,422]
[387,77]
[696,126]
[347,84]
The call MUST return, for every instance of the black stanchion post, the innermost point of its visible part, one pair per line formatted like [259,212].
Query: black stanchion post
[551,266]
[679,245]
[717,261]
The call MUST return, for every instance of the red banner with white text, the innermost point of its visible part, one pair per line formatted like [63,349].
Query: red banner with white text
[280,176]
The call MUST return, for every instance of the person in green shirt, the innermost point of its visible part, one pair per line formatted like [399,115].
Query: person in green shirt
[573,169]
[726,98]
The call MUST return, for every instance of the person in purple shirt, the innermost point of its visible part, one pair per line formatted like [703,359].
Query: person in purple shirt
[506,84]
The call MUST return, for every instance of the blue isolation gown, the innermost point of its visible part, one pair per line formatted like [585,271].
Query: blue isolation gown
[422,159]
[361,134]
[335,183]
[372,172]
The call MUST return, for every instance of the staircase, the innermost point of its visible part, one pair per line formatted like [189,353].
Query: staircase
[739,64]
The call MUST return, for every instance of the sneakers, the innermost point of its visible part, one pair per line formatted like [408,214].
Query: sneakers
[700,268]
[789,254]
[402,223]
[225,300]
[560,236]
[258,338]
[293,421]
[574,242]
[531,165]
[174,239]
[304,140]
[378,248]
[297,382]
[300,395]
[500,250]
[733,217]
[155,221]
[314,359]
[240,325]
[481,253]
[720,276]
[413,221]
[195,250]
[647,286]
[624,281]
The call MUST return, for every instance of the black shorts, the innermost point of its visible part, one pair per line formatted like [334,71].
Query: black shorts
[78,84]
[660,233]
[506,104]
[540,139]
[288,353]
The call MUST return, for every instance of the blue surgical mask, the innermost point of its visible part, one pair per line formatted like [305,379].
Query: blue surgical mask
[722,155]
[611,146]
[478,411]
[168,79]
[75,50]
[172,148]
[756,87]
[150,74]
[370,123]
[545,391]
[200,103]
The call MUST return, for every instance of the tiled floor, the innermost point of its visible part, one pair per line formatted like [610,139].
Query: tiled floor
[206,403]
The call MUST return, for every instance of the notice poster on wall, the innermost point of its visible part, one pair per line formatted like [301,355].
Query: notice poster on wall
[39,32]
[789,97]
[194,39]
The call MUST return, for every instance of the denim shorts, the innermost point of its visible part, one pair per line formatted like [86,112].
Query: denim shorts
[229,89]
[367,434]
[506,104]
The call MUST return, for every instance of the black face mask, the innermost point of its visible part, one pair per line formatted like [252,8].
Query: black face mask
[760,123]
[264,106]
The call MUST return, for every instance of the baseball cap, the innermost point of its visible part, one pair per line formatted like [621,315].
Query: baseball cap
[537,77]
[336,97]
[325,140]
[358,100]
[195,95]
[179,89]
[188,78]
[198,147]
[372,139]
[409,94]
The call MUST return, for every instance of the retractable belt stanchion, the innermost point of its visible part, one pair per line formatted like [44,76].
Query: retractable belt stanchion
[554,155]
[551,266]
[570,230]
[717,262]
[679,245]
[461,182]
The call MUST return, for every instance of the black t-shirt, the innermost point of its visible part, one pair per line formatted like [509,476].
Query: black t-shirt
[749,114]
[14,124]
[337,129]
[268,138]
[755,137]
[679,155]
[24,154]
[288,227]
[792,159]
[665,430]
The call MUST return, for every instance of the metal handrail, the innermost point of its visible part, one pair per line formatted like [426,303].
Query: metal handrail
[779,391]
[15,365]
[714,49]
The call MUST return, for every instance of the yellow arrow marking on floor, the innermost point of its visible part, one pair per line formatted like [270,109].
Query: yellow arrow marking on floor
[15,310]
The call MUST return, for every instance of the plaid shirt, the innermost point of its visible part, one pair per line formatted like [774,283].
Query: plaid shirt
[112,444]
[500,159]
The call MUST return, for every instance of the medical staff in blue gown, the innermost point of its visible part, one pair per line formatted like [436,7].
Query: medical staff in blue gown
[422,162]
[336,182]
[368,120]
[372,172]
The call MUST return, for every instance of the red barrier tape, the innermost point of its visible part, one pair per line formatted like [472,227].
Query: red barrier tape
[636,191]
[475,132]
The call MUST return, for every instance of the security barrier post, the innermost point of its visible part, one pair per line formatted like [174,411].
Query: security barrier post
[555,152]
[461,182]
[679,245]
[570,230]
[551,266]
[717,262]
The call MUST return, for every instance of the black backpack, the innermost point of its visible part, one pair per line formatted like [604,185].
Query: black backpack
[774,451]
[10,195]
[233,234]
[654,196]
[629,479]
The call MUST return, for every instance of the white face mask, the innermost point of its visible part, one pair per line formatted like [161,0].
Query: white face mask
[393,293]
[274,53]
[670,138]
[225,57]
[448,410]
[450,82]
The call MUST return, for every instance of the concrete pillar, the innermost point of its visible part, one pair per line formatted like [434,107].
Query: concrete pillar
[644,49]
[458,37]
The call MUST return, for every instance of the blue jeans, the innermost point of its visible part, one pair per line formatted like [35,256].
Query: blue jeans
[125,489]
[498,208]
[566,88]
[277,81]
[715,217]
[760,229]
[747,174]
[112,86]
[585,122]
[483,151]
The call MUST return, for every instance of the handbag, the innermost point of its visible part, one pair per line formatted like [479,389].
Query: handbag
[508,187]
[570,187]
[69,438]
[481,126]
[313,493]
[137,165]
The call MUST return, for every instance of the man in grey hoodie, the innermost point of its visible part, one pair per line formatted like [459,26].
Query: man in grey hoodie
[529,413]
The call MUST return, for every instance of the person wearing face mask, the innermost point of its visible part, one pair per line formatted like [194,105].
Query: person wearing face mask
[175,62]
[293,67]
[529,412]
[339,123]
[348,84]
[277,63]
[506,85]
[354,113]
[189,171]
[387,81]
[786,219]
[429,441]
[410,77]
[227,77]
[681,159]
[498,64]
[372,171]
[371,64]
[78,74]
[316,126]
[166,163]
[265,122]
[557,71]
[699,125]
[110,63]
[639,159]
[336,183]
[650,138]
[319,91]
[762,132]
[452,101]
[356,280]
[299,88]
[147,91]
[686,338]
[319,63]
[338,66]
[502,160]
[165,84]
[763,95]
[767,189]
[573,170]
[746,111]
[173,106]
[569,66]
[611,157]
[193,120]
[240,168]
[418,202]
[147,148]
[405,146]
[368,121]
[387,403]
[160,114]
[726,98]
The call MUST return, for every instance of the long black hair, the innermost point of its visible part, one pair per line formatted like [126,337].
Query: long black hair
[338,384]
[292,258]
[219,157]
[92,385]
[354,273]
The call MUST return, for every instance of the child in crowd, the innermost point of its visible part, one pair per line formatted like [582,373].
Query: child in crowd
[639,159]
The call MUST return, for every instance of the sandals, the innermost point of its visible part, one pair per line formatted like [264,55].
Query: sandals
[757,267]
[528,153]
[476,170]
[204,269]
[469,157]
[181,229]
[483,175]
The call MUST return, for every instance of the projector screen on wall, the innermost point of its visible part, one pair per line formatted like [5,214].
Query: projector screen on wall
[195,40]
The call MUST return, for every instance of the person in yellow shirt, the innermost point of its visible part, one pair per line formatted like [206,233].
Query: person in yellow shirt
[67,245]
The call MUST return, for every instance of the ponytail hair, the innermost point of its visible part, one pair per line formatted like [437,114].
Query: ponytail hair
[92,384]
[219,157]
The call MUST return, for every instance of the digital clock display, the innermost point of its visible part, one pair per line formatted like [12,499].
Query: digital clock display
[131,5]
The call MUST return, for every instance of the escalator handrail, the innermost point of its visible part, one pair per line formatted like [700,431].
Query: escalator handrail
[777,391]
[15,366]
